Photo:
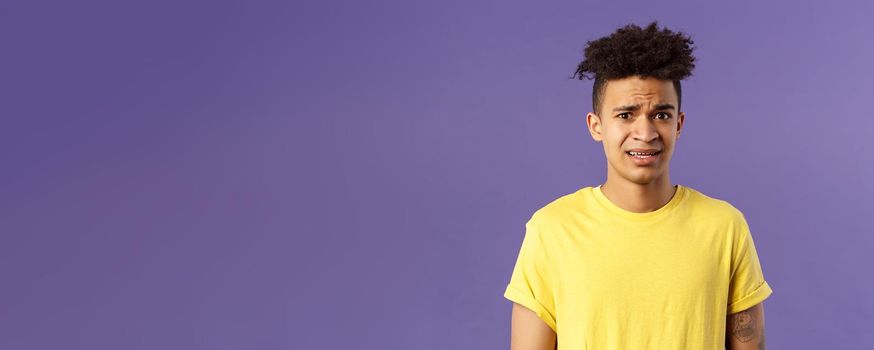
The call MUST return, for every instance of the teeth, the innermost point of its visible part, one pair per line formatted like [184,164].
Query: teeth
[641,153]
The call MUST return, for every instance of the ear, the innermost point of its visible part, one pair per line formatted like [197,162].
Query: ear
[595,128]
[681,118]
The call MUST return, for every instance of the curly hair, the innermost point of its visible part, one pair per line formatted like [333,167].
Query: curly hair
[632,50]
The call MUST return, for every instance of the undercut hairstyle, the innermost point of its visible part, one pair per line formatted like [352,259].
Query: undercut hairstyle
[631,50]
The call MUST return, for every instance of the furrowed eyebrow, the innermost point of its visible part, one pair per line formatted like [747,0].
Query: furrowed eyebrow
[661,106]
[632,108]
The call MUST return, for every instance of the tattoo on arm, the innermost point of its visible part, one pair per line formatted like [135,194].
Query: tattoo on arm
[744,327]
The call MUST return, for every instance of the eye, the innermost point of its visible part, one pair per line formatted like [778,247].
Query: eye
[667,116]
[625,114]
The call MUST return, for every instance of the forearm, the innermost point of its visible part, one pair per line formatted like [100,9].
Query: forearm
[745,330]
[529,332]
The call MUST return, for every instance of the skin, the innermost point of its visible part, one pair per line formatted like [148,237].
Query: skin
[630,186]
[745,330]
[529,332]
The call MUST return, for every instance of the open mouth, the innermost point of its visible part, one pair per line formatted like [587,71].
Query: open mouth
[643,155]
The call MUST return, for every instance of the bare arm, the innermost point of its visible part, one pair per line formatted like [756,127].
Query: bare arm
[529,332]
[746,329]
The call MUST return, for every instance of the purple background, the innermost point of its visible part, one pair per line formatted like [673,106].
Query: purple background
[357,175]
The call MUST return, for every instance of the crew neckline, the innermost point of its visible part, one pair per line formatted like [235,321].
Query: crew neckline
[679,195]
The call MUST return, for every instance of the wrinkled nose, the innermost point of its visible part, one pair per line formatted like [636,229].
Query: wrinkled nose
[644,130]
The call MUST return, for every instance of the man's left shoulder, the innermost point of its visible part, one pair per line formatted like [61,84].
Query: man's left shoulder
[712,207]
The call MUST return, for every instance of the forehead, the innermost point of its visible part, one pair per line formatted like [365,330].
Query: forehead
[633,90]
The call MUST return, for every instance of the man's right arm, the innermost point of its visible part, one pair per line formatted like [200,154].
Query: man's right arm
[529,332]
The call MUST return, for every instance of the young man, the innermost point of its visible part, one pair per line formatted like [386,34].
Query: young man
[637,263]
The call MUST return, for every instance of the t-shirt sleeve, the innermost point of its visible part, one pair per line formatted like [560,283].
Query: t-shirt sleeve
[530,284]
[747,286]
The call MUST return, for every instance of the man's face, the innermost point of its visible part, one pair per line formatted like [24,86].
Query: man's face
[637,114]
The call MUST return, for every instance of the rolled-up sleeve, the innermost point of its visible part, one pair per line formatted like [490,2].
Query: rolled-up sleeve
[747,286]
[530,284]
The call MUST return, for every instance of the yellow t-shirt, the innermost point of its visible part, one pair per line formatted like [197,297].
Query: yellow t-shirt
[606,278]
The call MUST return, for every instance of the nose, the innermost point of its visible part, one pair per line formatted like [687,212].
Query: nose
[644,130]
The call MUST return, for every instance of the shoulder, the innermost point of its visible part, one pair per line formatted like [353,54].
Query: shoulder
[560,208]
[712,207]
[562,212]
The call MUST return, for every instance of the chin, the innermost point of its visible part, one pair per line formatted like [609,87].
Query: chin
[642,182]
[643,179]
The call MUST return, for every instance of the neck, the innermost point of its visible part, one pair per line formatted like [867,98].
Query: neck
[638,198]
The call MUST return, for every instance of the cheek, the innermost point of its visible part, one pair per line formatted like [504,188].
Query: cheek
[612,144]
[668,130]
[613,136]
